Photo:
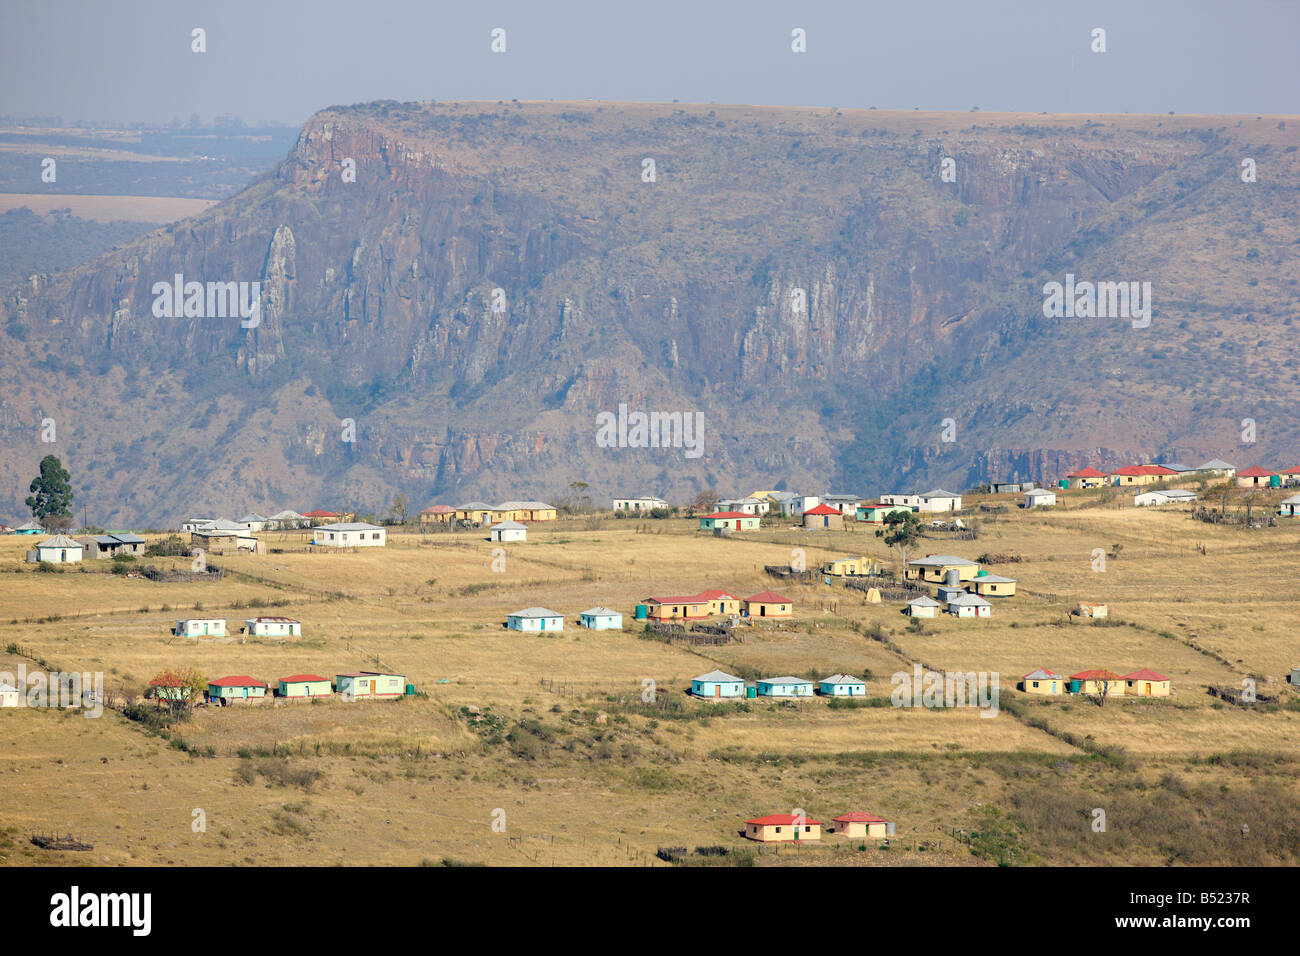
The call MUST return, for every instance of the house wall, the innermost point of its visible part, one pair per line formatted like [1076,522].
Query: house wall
[306,689]
[535,623]
[1045,687]
[783,833]
[1143,688]
[769,610]
[722,688]
[370,687]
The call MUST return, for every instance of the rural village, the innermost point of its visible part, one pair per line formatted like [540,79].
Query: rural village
[883,572]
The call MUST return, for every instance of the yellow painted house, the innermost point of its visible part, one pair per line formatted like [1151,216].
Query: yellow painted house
[861,824]
[783,828]
[1146,683]
[1043,681]
[1097,682]
[721,602]
[841,567]
[934,568]
[768,604]
[993,585]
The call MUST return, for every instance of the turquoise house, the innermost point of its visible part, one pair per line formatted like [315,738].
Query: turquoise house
[716,685]
[601,619]
[240,688]
[785,687]
[841,685]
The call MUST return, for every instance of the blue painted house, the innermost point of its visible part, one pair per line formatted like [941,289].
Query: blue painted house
[716,685]
[842,685]
[601,619]
[535,619]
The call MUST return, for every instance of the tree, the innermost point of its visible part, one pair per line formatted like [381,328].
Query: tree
[902,530]
[400,508]
[178,690]
[706,500]
[51,498]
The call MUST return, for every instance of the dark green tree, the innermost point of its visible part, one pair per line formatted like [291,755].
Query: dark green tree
[51,498]
[902,529]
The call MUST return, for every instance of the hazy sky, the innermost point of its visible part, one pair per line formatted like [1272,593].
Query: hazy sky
[280,61]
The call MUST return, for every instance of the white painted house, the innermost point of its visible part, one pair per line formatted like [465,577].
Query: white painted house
[969,605]
[906,501]
[842,685]
[1040,498]
[1172,496]
[350,534]
[601,619]
[60,549]
[370,685]
[253,522]
[1289,507]
[924,606]
[716,685]
[509,531]
[273,627]
[535,619]
[938,500]
[639,504]
[8,695]
[201,627]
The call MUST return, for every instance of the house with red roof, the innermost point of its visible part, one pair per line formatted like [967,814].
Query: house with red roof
[1141,474]
[1099,682]
[1085,478]
[1146,683]
[823,517]
[1043,681]
[438,514]
[721,602]
[783,828]
[1255,477]
[237,689]
[689,607]
[767,604]
[729,521]
[859,823]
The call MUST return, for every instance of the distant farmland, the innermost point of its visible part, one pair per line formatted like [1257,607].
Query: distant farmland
[156,209]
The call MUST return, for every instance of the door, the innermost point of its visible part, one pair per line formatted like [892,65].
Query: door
[1148,690]
[717,690]
[762,610]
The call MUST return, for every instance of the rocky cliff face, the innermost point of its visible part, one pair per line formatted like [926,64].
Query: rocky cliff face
[496,276]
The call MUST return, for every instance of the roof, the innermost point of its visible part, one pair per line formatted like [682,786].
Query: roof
[842,679]
[29,526]
[61,541]
[535,612]
[730,514]
[1088,472]
[689,599]
[716,595]
[439,510]
[768,597]
[822,510]
[1214,464]
[274,620]
[301,678]
[251,517]
[1040,492]
[286,516]
[1145,674]
[784,680]
[783,819]
[939,493]
[720,676]
[525,506]
[349,526]
[600,611]
[941,560]
[239,680]
[509,526]
[1254,471]
[1143,470]
[372,674]
[1289,471]
[1176,466]
[321,514]
[1042,674]
[1096,674]
[477,506]
[968,600]
[923,601]
[859,816]
[994,578]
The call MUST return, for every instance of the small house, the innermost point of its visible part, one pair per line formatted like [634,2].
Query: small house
[844,504]
[1141,474]
[438,515]
[844,567]
[1085,478]
[729,521]
[823,517]
[60,549]
[8,695]
[939,500]
[200,627]
[688,608]
[237,689]
[842,685]
[767,604]
[785,687]
[1100,682]
[1289,507]
[875,511]
[1088,609]
[1163,497]
[859,824]
[934,568]
[923,606]
[350,534]
[1217,468]
[370,685]
[969,605]
[110,545]
[993,585]
[720,602]
[783,828]
[253,522]
[745,506]
[910,502]
[1040,498]
[509,531]
[1043,681]
[535,619]
[601,619]
[639,504]
[1004,487]
[716,685]
[273,627]
[304,685]
[792,505]
[1255,477]
[1290,477]
[29,527]
[1146,683]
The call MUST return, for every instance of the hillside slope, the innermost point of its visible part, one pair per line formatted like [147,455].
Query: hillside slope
[924,302]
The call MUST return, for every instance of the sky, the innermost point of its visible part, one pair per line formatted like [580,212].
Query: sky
[282,60]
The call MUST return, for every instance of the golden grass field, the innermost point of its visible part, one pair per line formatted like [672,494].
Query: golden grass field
[586,774]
